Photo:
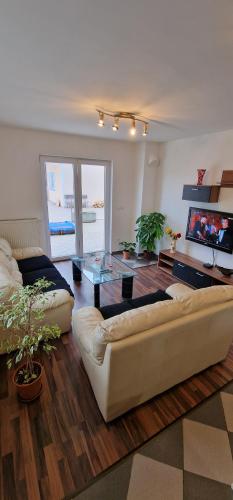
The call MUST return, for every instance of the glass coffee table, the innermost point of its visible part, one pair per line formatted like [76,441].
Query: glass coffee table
[102,267]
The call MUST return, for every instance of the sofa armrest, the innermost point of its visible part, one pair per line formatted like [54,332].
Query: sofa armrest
[53,299]
[84,322]
[27,252]
[178,290]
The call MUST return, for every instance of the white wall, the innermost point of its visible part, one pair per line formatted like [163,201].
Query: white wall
[20,175]
[179,163]
[140,184]
[145,178]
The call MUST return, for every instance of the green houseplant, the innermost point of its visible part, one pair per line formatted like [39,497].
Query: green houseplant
[23,316]
[128,248]
[149,229]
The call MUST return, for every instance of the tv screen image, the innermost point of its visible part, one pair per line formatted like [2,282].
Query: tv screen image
[210,228]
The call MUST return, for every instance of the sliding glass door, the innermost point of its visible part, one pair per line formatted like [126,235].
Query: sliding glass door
[93,206]
[78,206]
[61,208]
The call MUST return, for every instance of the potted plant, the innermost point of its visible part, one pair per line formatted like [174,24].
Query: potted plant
[128,248]
[149,229]
[174,237]
[23,316]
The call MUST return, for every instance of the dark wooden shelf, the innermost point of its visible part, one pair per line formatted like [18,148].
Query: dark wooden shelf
[206,194]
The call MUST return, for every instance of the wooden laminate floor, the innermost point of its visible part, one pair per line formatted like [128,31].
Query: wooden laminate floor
[56,445]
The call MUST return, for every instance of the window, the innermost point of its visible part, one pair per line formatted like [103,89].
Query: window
[51,181]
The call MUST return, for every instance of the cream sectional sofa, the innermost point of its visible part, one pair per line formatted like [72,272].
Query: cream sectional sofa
[58,307]
[136,355]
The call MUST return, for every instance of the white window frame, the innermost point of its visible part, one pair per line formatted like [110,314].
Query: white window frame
[77,172]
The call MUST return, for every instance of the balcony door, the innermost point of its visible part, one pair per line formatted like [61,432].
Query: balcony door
[77,201]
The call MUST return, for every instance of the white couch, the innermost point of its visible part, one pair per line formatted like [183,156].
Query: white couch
[58,307]
[136,355]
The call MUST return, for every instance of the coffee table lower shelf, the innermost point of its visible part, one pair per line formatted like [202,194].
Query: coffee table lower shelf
[127,285]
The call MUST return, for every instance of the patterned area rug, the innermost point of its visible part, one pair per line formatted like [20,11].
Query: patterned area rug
[190,460]
[136,262]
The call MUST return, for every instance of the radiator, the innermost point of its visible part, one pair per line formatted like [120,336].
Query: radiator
[21,232]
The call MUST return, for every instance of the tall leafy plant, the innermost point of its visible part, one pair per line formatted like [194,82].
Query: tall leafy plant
[150,227]
[23,316]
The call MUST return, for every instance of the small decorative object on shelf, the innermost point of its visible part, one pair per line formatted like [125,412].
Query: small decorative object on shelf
[200,176]
[174,237]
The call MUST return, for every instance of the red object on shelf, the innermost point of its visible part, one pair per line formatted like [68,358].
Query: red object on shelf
[200,176]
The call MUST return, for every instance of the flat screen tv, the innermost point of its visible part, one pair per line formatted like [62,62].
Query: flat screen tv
[210,228]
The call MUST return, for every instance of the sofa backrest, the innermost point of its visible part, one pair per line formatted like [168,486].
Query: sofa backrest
[152,317]
[10,276]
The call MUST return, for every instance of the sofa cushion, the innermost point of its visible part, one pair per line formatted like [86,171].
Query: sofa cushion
[27,252]
[127,305]
[115,309]
[35,263]
[51,274]
[150,298]
[60,284]
[5,247]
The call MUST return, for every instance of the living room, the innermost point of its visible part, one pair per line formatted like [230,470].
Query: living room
[133,353]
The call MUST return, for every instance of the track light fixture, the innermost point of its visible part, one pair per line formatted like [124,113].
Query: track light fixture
[133,127]
[115,124]
[123,115]
[145,129]
[101,119]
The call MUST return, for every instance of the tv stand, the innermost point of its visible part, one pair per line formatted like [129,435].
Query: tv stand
[190,270]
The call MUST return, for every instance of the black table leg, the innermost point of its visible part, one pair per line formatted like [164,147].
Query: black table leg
[127,287]
[97,295]
[77,274]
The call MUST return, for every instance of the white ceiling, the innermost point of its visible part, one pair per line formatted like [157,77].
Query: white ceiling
[169,60]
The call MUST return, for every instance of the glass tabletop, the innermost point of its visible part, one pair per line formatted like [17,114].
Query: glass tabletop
[102,267]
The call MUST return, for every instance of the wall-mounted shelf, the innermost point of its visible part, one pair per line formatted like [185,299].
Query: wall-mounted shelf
[227,179]
[207,194]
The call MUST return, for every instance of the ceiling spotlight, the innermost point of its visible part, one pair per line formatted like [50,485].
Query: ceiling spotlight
[101,119]
[115,126]
[133,127]
[145,129]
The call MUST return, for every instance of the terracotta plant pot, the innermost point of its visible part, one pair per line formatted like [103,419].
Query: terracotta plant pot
[126,255]
[31,391]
